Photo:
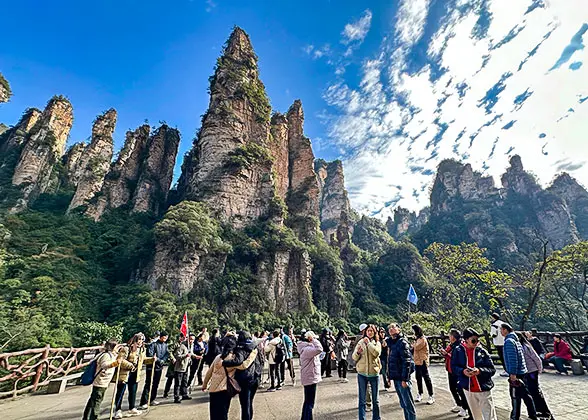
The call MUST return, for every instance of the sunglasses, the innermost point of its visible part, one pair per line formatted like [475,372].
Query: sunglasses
[474,340]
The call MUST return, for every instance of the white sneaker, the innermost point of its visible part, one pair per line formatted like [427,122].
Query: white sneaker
[418,398]
[462,413]
[154,402]
[118,414]
[431,400]
[134,412]
[143,407]
[456,409]
[504,374]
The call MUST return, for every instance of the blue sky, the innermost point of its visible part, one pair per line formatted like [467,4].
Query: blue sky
[389,87]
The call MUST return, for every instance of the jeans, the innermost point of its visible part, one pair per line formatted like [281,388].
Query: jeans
[132,385]
[180,384]
[457,391]
[220,402]
[274,371]
[246,399]
[406,400]
[92,410]
[481,405]
[156,378]
[342,368]
[422,372]
[537,394]
[559,364]
[309,398]
[121,387]
[517,396]
[362,384]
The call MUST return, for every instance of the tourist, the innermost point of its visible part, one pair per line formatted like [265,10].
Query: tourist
[130,369]
[106,364]
[198,349]
[384,358]
[271,349]
[170,372]
[204,334]
[534,368]
[517,370]
[498,339]
[421,361]
[159,350]
[328,347]
[309,350]
[536,343]
[341,352]
[474,367]
[259,339]
[288,357]
[351,363]
[216,377]
[214,347]
[245,357]
[182,362]
[461,404]
[367,364]
[561,354]
[400,368]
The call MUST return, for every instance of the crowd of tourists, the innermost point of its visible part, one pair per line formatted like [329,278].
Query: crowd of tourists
[236,361]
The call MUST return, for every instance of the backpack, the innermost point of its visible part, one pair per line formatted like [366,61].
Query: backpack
[280,353]
[90,372]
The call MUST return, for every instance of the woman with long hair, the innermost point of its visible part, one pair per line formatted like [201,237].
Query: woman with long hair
[368,365]
[421,361]
[384,358]
[341,351]
[534,368]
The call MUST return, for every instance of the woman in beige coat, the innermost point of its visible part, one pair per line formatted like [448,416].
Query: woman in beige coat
[421,361]
[367,363]
[216,377]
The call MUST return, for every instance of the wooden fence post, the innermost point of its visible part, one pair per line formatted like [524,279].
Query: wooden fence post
[40,367]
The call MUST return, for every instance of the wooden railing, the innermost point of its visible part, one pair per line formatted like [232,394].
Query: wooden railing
[27,370]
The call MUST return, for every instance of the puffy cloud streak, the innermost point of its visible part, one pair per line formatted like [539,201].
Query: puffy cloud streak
[357,31]
[462,79]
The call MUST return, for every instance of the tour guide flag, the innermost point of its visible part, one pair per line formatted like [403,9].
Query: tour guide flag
[184,327]
[412,296]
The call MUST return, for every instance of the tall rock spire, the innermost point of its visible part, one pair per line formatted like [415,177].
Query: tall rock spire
[16,136]
[334,203]
[95,160]
[230,165]
[44,146]
[5,92]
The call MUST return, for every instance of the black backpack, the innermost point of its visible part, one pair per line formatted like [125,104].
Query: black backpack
[280,355]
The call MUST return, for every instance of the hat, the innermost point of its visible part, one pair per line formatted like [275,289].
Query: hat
[309,334]
[362,327]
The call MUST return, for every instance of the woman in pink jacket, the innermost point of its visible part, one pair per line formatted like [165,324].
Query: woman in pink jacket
[310,370]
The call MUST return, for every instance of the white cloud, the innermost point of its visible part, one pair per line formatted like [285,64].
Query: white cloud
[210,4]
[403,118]
[357,31]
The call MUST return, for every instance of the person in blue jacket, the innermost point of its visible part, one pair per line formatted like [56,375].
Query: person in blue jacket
[400,368]
[515,366]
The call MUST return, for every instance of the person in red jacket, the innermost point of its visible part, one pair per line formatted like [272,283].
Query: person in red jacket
[561,354]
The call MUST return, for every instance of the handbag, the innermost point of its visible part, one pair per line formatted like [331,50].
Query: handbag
[233,387]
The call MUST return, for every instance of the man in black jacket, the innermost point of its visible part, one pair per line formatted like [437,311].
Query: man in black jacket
[400,368]
[158,348]
[248,378]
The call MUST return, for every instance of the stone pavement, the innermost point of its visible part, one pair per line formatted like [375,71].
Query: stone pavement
[335,401]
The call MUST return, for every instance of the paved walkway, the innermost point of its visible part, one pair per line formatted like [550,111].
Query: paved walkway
[567,395]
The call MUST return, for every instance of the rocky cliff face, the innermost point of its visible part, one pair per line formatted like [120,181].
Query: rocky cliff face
[15,137]
[157,171]
[43,147]
[5,92]
[279,150]
[334,203]
[92,165]
[122,178]
[405,222]
[575,197]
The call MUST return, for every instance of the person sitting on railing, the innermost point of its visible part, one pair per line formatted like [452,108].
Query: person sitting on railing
[561,354]
[105,369]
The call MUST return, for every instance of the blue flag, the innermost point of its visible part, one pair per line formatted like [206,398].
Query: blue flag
[412,296]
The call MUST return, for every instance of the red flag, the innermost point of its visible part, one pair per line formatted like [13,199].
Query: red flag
[184,327]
